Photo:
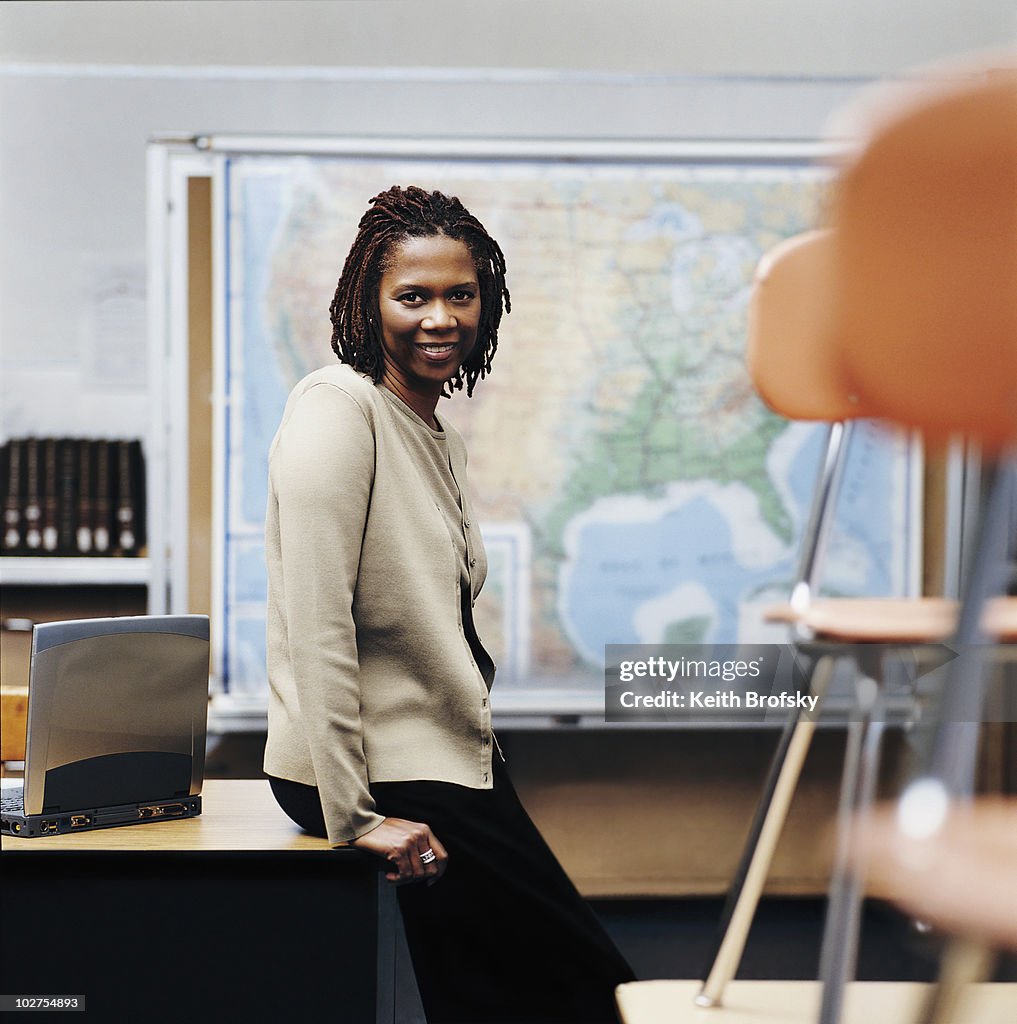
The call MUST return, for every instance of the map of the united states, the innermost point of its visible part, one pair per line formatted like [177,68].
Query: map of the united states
[630,486]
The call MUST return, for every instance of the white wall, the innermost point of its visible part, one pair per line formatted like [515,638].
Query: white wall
[799,37]
[84,85]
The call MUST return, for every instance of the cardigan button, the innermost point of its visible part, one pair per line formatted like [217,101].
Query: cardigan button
[467,524]
[473,562]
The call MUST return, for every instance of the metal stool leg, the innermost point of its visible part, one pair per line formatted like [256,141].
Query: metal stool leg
[771,813]
[840,935]
[953,757]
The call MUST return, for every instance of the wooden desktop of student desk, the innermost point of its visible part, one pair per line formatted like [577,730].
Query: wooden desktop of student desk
[237,815]
[235,912]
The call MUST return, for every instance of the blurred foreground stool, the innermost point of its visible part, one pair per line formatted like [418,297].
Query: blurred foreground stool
[962,879]
[911,307]
[925,317]
[795,367]
[925,261]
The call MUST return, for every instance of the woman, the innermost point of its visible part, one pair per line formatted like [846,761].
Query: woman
[379,718]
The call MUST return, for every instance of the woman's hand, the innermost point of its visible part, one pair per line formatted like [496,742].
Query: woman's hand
[409,846]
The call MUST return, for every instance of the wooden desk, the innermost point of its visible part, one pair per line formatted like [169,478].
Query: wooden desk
[235,914]
[237,814]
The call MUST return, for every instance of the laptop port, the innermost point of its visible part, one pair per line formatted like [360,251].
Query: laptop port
[49,826]
[162,811]
[77,820]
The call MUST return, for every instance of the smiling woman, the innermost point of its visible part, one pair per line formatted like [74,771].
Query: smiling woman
[379,718]
[429,311]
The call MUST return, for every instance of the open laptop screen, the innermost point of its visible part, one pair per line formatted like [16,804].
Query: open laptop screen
[116,712]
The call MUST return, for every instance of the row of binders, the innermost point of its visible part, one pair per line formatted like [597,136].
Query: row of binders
[72,497]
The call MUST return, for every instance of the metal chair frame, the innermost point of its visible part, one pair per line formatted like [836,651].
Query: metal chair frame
[793,745]
[952,760]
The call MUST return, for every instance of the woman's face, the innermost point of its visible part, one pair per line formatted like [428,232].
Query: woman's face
[429,309]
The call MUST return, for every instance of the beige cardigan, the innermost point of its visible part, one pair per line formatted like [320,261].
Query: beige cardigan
[371,675]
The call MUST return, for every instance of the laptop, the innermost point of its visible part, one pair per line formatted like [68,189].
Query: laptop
[116,725]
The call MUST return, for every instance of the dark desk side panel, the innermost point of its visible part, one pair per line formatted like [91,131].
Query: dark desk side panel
[181,936]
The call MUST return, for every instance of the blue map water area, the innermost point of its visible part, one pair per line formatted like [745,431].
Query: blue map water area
[620,565]
[250,574]
[264,398]
[865,517]
[247,663]
[249,434]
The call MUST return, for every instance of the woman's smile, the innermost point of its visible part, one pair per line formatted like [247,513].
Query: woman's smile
[437,352]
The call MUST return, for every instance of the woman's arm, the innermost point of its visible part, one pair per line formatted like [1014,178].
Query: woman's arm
[321,473]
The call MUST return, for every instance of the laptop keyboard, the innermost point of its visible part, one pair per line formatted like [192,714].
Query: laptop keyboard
[13,800]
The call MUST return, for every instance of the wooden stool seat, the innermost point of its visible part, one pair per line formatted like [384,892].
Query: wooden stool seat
[797,1002]
[960,879]
[891,620]
[882,620]
[1000,619]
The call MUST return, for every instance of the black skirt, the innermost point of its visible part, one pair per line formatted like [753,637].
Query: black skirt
[504,937]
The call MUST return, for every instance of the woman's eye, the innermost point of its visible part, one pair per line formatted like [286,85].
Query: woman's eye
[410,297]
[463,295]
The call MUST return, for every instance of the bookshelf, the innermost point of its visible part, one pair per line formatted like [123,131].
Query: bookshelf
[74,514]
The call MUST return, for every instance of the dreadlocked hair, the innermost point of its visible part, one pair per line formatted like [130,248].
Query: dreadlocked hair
[394,216]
